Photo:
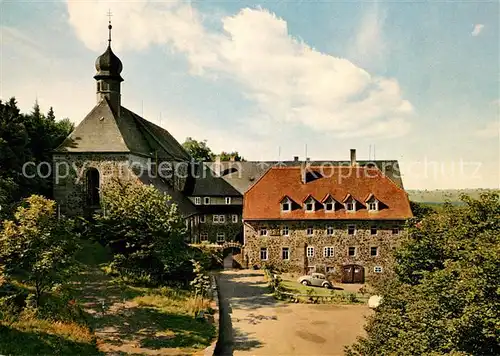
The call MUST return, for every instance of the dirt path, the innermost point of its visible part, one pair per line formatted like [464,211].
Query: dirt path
[121,326]
[253,323]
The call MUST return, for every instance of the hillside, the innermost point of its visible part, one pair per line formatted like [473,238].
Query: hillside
[441,195]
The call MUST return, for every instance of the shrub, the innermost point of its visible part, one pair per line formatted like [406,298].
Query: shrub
[38,247]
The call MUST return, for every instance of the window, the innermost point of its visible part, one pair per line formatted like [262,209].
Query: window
[234,218]
[349,206]
[206,200]
[378,269]
[395,230]
[329,230]
[310,231]
[221,236]
[328,252]
[228,200]
[329,206]
[373,230]
[202,219]
[219,219]
[310,251]
[309,207]
[351,229]
[285,253]
[373,251]
[373,206]
[330,269]
[286,206]
[204,237]
[197,200]
[93,187]
[285,231]
[263,231]
[263,253]
[98,86]
[352,251]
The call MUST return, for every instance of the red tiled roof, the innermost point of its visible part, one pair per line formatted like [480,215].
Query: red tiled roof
[262,200]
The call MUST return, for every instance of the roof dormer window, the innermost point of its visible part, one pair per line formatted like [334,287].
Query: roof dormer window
[372,203]
[286,205]
[309,204]
[349,203]
[329,204]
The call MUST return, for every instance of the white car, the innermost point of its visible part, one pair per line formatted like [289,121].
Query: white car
[315,279]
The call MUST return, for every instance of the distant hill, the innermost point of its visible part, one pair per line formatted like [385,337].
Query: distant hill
[439,196]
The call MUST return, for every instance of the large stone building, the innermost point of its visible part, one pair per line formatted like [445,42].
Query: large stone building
[342,220]
[113,142]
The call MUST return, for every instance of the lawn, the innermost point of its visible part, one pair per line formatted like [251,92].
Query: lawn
[349,294]
[117,318]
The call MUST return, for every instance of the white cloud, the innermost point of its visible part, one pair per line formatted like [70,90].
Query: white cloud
[369,44]
[490,130]
[288,81]
[477,29]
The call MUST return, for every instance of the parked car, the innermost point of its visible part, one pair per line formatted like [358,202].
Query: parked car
[315,279]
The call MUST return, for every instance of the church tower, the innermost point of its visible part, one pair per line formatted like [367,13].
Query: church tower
[108,77]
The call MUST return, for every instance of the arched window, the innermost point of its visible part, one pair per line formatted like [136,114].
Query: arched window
[93,186]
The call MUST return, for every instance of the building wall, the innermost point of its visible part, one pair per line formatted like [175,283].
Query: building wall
[70,177]
[298,241]
[220,200]
[232,231]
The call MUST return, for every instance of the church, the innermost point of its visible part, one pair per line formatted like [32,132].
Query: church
[218,199]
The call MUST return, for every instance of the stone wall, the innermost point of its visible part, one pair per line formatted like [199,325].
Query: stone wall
[70,177]
[298,241]
[232,231]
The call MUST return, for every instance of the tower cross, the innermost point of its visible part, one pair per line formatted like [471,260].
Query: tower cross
[109,14]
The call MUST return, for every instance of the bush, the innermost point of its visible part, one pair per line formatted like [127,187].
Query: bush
[145,232]
[37,247]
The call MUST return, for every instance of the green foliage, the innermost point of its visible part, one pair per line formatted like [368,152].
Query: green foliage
[198,150]
[26,138]
[420,210]
[444,298]
[201,282]
[37,246]
[228,156]
[145,231]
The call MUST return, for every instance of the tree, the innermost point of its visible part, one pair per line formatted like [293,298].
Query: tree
[38,246]
[444,298]
[145,231]
[228,156]
[198,150]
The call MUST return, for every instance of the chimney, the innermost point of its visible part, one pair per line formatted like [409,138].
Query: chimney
[304,168]
[353,157]
[295,158]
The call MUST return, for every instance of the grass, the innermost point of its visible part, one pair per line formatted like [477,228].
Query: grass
[174,314]
[32,336]
[339,296]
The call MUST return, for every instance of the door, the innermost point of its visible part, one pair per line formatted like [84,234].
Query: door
[353,274]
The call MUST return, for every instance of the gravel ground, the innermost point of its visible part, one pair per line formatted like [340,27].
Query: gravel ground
[253,323]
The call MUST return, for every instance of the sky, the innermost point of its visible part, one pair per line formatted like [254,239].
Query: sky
[413,81]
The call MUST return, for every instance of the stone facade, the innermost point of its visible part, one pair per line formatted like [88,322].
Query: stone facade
[70,182]
[232,231]
[298,240]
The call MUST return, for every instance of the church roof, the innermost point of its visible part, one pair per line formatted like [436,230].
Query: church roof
[103,131]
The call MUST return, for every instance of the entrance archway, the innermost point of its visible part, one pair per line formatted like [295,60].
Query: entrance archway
[232,255]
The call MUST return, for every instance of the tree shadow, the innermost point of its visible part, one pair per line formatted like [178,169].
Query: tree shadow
[17,342]
[152,329]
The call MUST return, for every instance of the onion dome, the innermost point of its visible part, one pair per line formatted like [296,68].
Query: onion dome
[108,65]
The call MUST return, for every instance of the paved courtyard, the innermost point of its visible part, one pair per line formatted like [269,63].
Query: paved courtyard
[255,324]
